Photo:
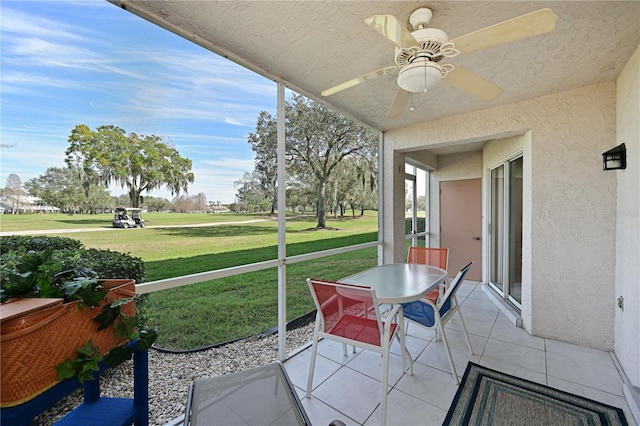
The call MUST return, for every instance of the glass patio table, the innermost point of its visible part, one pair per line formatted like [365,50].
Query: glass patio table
[399,282]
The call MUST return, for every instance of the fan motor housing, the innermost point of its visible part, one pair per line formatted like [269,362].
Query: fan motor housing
[430,40]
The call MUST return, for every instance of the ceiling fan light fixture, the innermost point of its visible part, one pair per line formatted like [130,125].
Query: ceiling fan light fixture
[420,76]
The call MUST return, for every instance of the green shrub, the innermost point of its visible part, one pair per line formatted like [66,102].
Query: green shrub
[39,262]
[113,264]
[37,243]
[420,221]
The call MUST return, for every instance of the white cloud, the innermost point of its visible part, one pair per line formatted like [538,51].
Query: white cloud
[233,121]
[94,64]
[17,22]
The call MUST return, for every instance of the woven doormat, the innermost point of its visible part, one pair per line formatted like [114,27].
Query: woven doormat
[488,397]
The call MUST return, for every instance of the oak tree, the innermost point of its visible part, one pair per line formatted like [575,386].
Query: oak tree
[138,163]
[317,140]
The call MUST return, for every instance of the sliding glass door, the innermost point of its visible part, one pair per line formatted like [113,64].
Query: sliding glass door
[515,231]
[496,228]
[505,230]
[416,184]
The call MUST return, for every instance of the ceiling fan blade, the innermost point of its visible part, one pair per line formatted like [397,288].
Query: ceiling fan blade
[358,80]
[531,24]
[473,84]
[399,102]
[391,28]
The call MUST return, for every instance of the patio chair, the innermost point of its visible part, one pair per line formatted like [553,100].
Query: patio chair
[438,257]
[350,315]
[434,316]
[431,256]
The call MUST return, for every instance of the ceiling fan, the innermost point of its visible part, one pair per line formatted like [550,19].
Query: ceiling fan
[418,54]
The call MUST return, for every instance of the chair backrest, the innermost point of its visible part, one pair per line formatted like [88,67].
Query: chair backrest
[438,257]
[346,310]
[444,304]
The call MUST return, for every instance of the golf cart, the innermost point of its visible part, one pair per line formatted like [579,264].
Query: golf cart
[128,217]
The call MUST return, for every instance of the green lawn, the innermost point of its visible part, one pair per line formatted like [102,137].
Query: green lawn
[225,309]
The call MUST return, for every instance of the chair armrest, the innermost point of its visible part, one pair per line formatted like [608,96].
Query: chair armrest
[392,314]
[395,310]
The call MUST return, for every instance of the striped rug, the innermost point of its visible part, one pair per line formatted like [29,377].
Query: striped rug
[488,397]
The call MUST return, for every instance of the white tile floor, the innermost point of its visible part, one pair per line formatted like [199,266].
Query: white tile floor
[348,388]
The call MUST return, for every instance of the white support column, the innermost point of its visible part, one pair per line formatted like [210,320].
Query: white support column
[393,187]
[282,234]
[380,198]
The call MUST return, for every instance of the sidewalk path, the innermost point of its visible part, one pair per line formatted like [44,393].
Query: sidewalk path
[73,230]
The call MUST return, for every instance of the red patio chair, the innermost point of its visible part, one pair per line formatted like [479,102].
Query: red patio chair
[350,315]
[438,257]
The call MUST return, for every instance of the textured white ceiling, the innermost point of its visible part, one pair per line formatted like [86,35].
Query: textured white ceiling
[313,45]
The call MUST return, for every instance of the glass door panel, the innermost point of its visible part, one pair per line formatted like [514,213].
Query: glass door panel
[496,229]
[410,218]
[505,230]
[515,230]
[421,206]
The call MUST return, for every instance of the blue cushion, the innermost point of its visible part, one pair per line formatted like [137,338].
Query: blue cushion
[423,313]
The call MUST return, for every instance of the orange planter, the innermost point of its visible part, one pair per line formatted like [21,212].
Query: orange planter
[38,334]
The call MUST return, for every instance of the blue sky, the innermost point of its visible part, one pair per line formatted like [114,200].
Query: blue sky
[90,62]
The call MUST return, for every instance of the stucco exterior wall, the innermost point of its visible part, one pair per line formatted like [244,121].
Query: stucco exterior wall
[627,272]
[572,244]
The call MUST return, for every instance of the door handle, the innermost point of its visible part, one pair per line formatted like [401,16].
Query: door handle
[476,238]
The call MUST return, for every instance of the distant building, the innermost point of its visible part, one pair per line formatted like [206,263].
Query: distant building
[219,209]
[26,204]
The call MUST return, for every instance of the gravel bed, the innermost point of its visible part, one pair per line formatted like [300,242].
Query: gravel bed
[170,374]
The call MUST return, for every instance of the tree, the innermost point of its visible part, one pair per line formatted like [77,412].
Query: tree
[14,192]
[249,196]
[157,204]
[318,139]
[58,187]
[123,200]
[200,202]
[264,144]
[354,186]
[62,187]
[365,195]
[299,198]
[182,203]
[136,162]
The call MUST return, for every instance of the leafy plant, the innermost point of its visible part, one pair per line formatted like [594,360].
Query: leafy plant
[85,364]
[146,338]
[88,357]
[39,274]
[85,289]
[60,267]
[48,256]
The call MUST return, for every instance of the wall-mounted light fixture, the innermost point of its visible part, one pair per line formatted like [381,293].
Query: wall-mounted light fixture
[615,158]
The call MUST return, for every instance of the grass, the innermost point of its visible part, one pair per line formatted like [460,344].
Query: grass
[217,311]
[225,309]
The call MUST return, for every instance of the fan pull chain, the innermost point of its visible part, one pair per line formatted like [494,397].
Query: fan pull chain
[425,76]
